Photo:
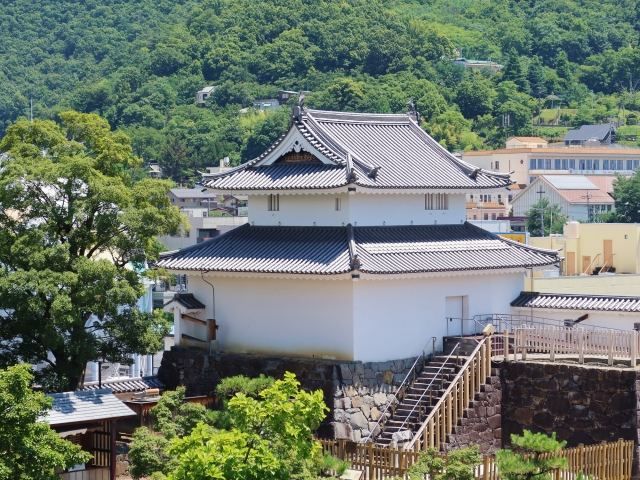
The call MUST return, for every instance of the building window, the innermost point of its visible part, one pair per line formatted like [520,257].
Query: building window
[338,204]
[274,203]
[565,164]
[581,164]
[493,216]
[557,164]
[486,216]
[605,164]
[497,165]
[532,163]
[436,201]
[547,164]
[620,165]
[596,164]
[510,198]
[572,164]
[629,164]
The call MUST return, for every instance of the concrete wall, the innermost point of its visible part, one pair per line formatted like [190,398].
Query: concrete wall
[358,209]
[288,317]
[592,284]
[587,240]
[397,318]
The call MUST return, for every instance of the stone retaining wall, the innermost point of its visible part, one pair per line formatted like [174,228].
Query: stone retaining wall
[481,424]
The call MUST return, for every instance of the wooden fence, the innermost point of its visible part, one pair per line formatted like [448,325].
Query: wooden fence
[605,461]
[569,341]
[445,415]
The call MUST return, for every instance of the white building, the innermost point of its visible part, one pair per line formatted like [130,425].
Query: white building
[356,248]
[580,197]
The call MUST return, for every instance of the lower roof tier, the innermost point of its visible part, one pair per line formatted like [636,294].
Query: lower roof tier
[380,250]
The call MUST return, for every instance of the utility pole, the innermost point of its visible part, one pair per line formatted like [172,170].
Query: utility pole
[588,196]
[541,192]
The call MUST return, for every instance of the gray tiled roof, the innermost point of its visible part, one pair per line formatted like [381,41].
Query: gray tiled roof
[380,151]
[374,250]
[565,301]
[126,385]
[588,132]
[85,406]
[187,300]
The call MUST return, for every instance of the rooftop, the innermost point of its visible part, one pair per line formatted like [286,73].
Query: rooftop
[371,250]
[576,188]
[85,406]
[327,150]
[588,132]
[125,385]
[563,150]
[191,193]
[565,301]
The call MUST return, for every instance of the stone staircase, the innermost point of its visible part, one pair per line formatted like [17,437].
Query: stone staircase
[419,398]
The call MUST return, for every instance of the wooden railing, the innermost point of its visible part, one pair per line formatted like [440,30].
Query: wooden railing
[445,414]
[605,461]
[622,345]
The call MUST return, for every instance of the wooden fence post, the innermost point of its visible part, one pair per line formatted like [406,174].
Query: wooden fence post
[611,338]
[372,471]
[580,345]
[634,348]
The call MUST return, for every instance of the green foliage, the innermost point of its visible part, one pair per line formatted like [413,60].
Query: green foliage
[66,284]
[528,457]
[271,438]
[626,191]
[139,64]
[456,465]
[148,453]
[29,448]
[249,386]
[172,417]
[554,219]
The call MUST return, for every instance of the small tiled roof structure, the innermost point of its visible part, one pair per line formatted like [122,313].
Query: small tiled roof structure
[125,385]
[580,189]
[589,132]
[187,300]
[191,193]
[372,250]
[566,301]
[373,151]
[85,406]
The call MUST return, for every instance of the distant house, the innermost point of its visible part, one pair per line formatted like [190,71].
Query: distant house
[154,170]
[580,197]
[192,197]
[526,142]
[487,65]
[204,94]
[266,103]
[594,135]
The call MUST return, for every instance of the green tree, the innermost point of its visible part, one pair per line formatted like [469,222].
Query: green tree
[536,78]
[29,448]
[554,219]
[514,71]
[626,191]
[475,96]
[75,228]
[456,465]
[270,439]
[528,457]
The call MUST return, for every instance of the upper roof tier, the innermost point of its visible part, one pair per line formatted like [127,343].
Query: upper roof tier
[328,150]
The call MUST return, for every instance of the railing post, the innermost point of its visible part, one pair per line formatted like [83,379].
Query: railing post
[552,350]
[505,342]
[611,337]
[372,471]
[580,346]
[524,343]
[634,348]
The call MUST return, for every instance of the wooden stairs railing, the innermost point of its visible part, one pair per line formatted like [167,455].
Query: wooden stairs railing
[445,415]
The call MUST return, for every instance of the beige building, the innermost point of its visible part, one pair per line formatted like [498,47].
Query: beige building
[526,142]
[528,163]
[596,247]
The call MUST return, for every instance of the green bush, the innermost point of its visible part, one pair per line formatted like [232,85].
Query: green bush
[251,387]
[147,453]
[523,461]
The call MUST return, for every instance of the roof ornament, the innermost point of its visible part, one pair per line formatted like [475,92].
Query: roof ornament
[351,171]
[474,173]
[413,110]
[373,173]
[299,107]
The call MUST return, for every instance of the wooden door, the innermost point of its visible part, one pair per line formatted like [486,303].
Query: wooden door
[607,251]
[570,263]
[586,263]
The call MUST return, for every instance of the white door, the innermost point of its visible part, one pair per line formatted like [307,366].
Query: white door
[454,313]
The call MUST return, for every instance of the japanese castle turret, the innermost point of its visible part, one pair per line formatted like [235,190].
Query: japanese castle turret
[356,247]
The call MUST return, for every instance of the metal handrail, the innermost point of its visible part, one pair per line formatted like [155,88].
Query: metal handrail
[447,392]
[429,386]
[399,389]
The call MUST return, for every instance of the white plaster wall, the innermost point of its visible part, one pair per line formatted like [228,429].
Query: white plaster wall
[280,316]
[397,318]
[299,210]
[617,320]
[358,209]
[377,209]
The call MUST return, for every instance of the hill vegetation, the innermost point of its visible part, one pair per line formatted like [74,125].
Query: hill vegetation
[139,63]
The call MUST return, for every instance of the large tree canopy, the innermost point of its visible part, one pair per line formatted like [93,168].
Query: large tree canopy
[29,448]
[75,228]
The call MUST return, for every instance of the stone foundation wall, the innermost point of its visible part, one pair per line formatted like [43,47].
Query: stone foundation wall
[581,404]
[481,424]
[355,392]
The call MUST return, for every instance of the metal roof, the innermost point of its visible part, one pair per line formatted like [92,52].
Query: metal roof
[374,250]
[85,406]
[588,132]
[570,182]
[191,193]
[125,385]
[565,301]
[379,151]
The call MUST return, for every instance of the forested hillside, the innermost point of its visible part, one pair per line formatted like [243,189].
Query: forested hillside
[140,62]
